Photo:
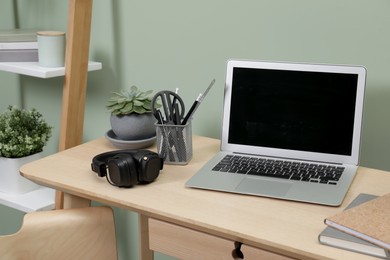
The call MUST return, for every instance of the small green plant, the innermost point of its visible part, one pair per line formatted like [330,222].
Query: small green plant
[22,132]
[130,101]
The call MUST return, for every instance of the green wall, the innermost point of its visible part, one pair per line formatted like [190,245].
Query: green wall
[184,44]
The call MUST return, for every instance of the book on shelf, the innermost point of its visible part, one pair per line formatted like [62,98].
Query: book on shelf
[369,221]
[18,35]
[336,238]
[18,45]
[19,55]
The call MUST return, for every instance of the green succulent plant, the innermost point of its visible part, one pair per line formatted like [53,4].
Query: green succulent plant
[130,101]
[22,132]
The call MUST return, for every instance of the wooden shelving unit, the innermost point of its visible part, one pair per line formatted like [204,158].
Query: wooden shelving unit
[75,75]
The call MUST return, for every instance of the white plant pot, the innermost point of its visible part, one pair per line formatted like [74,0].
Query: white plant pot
[10,179]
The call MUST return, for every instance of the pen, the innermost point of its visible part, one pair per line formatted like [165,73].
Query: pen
[192,109]
[196,103]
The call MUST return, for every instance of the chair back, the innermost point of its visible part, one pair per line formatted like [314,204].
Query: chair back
[82,233]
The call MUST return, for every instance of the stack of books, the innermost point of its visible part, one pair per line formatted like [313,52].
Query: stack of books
[363,227]
[18,45]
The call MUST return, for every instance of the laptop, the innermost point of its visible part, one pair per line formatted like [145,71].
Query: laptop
[289,131]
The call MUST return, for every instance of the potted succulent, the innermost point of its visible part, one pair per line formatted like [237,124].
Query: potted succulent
[131,114]
[23,134]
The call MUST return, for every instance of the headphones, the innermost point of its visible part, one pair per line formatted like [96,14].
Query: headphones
[126,168]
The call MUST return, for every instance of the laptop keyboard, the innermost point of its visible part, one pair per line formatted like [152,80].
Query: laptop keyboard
[299,171]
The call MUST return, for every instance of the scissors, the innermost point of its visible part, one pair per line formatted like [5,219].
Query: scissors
[172,107]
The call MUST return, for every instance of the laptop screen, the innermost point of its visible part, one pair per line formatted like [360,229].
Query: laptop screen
[298,108]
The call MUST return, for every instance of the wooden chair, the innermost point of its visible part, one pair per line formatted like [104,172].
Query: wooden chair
[82,233]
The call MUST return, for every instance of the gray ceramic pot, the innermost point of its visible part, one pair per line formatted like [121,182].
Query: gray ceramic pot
[133,126]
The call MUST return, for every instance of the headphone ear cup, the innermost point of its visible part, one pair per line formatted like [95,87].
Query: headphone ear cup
[149,165]
[122,170]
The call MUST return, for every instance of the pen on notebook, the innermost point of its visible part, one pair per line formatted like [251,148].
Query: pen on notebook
[196,104]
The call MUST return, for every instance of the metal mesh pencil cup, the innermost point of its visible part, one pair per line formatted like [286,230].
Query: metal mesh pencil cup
[174,143]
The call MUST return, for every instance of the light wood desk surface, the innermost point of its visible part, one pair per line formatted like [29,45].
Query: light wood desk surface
[286,227]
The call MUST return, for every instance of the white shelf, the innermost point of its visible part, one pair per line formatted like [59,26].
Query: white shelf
[33,69]
[36,200]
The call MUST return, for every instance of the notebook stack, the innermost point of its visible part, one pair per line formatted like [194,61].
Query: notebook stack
[363,227]
[18,45]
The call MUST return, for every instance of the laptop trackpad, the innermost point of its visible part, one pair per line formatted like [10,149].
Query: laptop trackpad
[264,187]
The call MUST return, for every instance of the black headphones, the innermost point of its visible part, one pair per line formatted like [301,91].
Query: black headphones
[126,168]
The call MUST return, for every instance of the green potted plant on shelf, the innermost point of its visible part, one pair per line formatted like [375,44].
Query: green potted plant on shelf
[131,114]
[23,134]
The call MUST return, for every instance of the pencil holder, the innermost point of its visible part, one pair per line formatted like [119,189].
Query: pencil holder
[174,143]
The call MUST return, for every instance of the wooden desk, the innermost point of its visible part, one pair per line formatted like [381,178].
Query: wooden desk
[186,222]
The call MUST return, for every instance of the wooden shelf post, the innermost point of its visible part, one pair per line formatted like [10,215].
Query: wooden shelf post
[76,74]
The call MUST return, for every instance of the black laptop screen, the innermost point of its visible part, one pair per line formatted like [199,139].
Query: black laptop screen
[296,110]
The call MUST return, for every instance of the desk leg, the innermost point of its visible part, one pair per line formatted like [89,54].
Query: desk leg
[145,252]
[71,201]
